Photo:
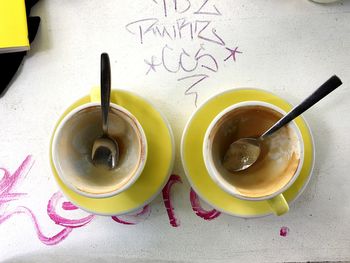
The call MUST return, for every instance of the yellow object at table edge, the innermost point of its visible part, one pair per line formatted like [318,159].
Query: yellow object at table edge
[13,26]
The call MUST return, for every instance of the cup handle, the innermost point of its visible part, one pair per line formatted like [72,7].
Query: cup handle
[95,94]
[278,205]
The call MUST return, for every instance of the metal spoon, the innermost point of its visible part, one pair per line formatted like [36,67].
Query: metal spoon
[105,150]
[244,152]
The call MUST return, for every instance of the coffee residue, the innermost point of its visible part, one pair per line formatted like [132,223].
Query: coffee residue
[279,157]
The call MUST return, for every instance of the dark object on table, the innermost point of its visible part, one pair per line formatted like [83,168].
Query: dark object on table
[10,62]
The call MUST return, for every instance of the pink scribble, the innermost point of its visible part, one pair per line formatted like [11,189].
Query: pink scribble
[68,206]
[10,197]
[120,221]
[133,219]
[7,184]
[284,231]
[8,181]
[167,201]
[60,236]
[197,208]
[62,221]
[7,194]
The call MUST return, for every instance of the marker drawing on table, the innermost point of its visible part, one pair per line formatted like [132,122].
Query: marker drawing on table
[196,207]
[7,184]
[167,201]
[9,181]
[7,194]
[133,219]
[192,65]
[62,221]
[284,231]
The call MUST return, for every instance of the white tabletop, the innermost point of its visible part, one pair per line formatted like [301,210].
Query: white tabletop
[288,47]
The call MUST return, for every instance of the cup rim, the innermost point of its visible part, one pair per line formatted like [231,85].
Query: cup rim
[131,181]
[213,173]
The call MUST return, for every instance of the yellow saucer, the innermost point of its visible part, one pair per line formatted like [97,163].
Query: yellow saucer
[160,159]
[192,157]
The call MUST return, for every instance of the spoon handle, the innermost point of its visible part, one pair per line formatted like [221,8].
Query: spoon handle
[105,90]
[326,88]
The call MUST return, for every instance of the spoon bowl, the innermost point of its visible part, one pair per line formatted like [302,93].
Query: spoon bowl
[105,152]
[242,154]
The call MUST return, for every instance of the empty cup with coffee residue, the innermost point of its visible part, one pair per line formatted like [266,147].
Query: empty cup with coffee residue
[278,165]
[71,150]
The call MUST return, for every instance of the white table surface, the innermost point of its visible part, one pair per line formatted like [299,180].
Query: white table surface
[288,47]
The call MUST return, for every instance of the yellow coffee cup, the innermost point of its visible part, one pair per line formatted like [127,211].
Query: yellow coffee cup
[278,166]
[72,146]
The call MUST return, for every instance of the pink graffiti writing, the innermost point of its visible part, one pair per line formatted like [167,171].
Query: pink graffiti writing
[8,181]
[60,236]
[167,201]
[68,224]
[133,219]
[68,206]
[7,184]
[197,208]
[62,221]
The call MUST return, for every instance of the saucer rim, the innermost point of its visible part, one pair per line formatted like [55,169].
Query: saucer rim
[149,200]
[202,105]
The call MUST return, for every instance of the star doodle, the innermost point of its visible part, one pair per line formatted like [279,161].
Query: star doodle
[152,65]
[233,53]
